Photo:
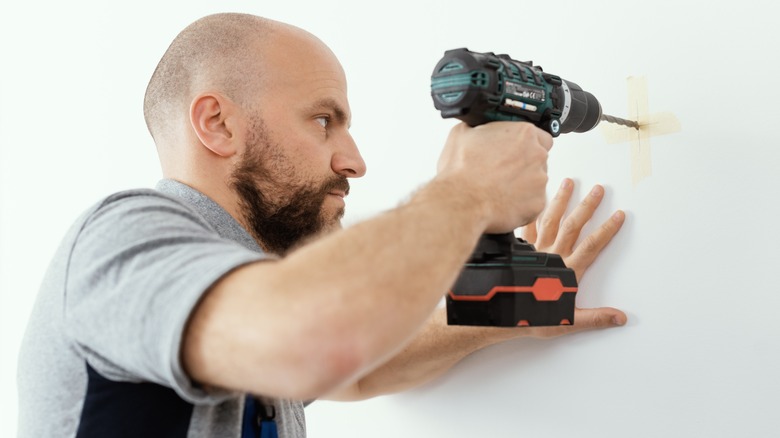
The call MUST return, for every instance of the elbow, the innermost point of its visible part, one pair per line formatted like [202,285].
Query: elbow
[286,353]
[329,365]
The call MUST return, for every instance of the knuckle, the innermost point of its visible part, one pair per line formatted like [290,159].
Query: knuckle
[583,321]
[524,128]
[596,319]
[457,129]
[568,227]
[546,222]
[542,154]
[543,179]
[608,227]
[589,244]
[603,319]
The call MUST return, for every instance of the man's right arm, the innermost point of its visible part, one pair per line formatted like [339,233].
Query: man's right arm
[334,310]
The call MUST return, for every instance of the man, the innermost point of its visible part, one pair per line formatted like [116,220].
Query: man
[207,308]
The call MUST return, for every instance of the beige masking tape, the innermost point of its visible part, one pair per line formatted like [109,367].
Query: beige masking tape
[650,125]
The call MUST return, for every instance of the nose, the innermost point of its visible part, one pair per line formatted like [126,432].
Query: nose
[347,161]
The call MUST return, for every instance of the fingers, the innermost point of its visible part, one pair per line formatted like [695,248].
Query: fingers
[512,179]
[553,234]
[602,317]
[545,139]
[550,220]
[572,226]
[587,251]
[584,319]
[529,232]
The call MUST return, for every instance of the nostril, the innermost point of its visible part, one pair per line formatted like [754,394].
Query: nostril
[350,166]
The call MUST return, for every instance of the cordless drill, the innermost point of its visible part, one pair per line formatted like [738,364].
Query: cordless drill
[506,282]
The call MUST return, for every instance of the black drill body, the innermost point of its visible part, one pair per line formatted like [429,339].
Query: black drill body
[506,282]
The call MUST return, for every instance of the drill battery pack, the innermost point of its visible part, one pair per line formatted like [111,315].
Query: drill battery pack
[507,283]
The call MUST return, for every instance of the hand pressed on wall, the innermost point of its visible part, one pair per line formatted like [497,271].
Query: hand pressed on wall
[552,233]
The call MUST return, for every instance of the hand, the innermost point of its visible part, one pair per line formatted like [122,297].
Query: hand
[553,234]
[503,166]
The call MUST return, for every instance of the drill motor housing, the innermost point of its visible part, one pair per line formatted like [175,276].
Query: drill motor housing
[479,88]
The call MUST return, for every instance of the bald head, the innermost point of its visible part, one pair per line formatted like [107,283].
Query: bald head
[254,114]
[219,52]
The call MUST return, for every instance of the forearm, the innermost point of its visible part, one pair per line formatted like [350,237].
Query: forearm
[438,347]
[435,349]
[398,267]
[335,309]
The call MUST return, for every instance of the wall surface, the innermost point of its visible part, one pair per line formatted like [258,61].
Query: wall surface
[694,266]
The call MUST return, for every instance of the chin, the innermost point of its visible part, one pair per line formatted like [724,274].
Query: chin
[333,225]
[332,221]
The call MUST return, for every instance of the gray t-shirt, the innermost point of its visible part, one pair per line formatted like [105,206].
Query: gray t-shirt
[101,354]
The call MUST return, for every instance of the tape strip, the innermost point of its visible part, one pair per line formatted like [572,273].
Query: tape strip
[650,125]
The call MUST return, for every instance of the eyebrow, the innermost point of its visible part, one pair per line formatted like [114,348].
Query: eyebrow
[339,113]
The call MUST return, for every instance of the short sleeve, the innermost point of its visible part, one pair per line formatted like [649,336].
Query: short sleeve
[138,268]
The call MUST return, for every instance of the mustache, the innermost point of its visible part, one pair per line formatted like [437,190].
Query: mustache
[339,183]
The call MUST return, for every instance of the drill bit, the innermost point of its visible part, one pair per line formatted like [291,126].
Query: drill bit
[619,121]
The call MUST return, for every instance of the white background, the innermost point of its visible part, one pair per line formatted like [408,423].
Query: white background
[695,265]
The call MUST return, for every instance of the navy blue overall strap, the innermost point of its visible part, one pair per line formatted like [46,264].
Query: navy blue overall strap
[124,409]
[259,420]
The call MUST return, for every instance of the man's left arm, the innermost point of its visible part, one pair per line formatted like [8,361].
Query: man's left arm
[437,347]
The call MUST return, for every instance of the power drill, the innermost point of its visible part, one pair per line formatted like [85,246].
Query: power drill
[506,282]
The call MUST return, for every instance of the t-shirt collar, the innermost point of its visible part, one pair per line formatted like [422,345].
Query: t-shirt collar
[225,225]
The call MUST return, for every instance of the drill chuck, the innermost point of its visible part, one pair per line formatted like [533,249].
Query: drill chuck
[483,87]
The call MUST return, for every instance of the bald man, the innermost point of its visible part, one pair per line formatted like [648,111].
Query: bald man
[214,304]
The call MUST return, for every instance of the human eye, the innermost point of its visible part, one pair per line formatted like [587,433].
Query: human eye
[324,121]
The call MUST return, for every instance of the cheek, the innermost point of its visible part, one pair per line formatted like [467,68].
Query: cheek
[305,148]
[312,158]
[298,170]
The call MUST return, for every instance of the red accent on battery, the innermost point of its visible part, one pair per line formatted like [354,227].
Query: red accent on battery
[523,323]
[544,289]
[565,321]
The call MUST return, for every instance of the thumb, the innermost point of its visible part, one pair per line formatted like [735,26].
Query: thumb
[584,319]
[602,317]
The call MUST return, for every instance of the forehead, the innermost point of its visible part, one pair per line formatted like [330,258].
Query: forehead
[303,73]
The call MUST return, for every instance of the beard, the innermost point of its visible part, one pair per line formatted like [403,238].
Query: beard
[281,212]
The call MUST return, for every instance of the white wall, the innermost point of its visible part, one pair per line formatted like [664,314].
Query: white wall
[694,266]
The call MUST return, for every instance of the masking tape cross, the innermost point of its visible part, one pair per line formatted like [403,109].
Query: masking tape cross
[650,125]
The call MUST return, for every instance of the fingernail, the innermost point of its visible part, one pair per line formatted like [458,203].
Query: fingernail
[565,184]
[616,321]
[597,191]
[618,216]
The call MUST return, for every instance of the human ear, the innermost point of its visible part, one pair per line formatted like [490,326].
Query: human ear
[213,118]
